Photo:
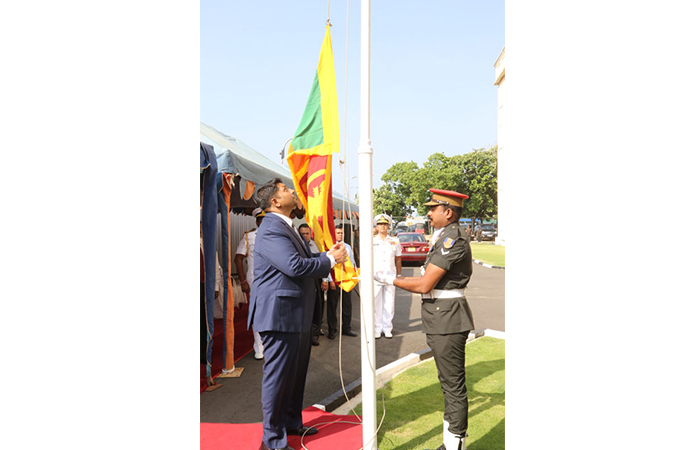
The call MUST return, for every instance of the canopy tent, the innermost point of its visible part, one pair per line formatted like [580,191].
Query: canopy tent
[232,172]
[235,157]
[208,203]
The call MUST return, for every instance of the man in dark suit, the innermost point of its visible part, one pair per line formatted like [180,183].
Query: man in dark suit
[447,318]
[281,309]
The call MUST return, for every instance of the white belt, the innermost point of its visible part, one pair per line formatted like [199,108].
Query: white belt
[445,293]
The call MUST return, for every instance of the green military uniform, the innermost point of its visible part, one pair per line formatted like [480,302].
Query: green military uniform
[452,253]
[447,320]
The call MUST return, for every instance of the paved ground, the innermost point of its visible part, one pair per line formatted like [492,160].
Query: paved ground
[238,400]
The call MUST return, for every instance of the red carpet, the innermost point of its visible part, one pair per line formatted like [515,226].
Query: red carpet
[248,436]
[242,344]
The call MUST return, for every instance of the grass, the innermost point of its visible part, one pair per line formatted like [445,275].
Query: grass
[414,402]
[489,253]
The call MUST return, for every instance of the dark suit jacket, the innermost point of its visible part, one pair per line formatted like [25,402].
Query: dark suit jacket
[282,296]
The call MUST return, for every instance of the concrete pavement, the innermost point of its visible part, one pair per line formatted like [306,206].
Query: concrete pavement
[238,400]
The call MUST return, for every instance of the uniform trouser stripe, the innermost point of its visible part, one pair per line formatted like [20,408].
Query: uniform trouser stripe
[449,353]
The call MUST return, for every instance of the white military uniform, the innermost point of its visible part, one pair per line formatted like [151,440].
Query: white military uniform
[385,253]
[245,248]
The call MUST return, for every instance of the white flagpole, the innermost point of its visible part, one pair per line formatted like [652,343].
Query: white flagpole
[369,399]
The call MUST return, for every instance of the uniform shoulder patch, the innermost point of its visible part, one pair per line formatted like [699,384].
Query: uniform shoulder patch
[449,242]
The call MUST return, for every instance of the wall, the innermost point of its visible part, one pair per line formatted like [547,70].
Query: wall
[503,177]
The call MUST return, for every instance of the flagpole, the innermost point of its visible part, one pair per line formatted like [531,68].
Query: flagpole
[369,399]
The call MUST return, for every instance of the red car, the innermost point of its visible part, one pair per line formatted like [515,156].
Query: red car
[414,247]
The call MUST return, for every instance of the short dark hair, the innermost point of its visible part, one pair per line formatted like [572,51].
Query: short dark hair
[456,212]
[304,225]
[267,192]
[339,226]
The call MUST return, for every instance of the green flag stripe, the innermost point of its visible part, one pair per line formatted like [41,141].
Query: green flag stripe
[310,131]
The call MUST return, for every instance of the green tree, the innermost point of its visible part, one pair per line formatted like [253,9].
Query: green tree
[394,197]
[474,173]
[479,173]
[389,202]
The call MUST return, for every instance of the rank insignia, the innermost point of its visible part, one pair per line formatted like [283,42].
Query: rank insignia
[449,242]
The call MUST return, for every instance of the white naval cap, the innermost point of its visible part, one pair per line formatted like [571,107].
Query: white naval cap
[382,218]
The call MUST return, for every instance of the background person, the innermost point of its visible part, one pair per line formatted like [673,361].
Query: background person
[245,250]
[281,308]
[316,331]
[447,318]
[334,292]
[356,245]
[387,259]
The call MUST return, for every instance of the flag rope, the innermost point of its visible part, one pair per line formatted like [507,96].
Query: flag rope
[344,172]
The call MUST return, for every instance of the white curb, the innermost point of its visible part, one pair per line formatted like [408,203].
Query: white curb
[487,265]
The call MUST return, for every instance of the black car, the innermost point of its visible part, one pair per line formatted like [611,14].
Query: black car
[399,229]
[488,232]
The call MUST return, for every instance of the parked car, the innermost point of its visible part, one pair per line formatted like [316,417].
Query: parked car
[417,228]
[414,247]
[399,229]
[488,232]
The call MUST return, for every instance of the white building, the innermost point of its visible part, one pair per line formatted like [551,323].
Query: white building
[500,66]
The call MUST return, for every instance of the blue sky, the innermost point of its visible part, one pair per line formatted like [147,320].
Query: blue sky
[432,75]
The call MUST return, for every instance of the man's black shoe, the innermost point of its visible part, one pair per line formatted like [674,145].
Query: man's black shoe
[349,333]
[321,332]
[331,335]
[300,431]
[314,341]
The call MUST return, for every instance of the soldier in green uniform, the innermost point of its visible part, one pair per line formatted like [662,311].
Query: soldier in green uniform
[447,318]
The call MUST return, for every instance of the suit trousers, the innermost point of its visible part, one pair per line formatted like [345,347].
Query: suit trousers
[332,310]
[449,353]
[202,325]
[284,375]
[318,310]
[297,401]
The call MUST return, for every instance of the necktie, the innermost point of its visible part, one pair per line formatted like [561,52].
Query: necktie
[303,241]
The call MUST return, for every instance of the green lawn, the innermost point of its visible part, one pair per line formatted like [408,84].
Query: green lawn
[414,402]
[489,253]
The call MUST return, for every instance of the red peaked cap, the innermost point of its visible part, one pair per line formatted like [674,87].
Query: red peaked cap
[443,197]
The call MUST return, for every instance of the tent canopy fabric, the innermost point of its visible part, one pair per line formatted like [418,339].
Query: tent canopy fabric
[209,204]
[234,156]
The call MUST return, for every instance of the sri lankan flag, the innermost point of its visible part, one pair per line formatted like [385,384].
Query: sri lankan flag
[310,157]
